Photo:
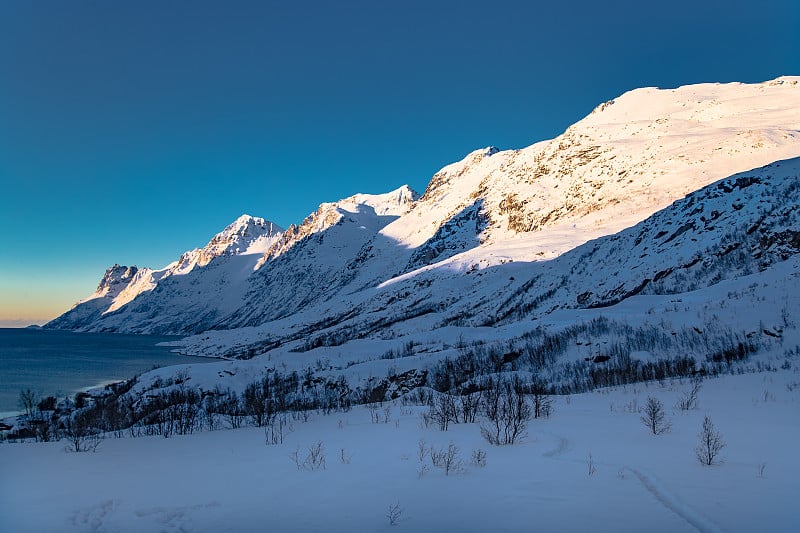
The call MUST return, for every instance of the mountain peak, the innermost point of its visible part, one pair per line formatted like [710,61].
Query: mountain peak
[245,235]
[114,281]
[396,202]
[240,233]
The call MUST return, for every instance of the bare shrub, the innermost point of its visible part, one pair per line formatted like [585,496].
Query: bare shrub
[443,411]
[425,420]
[451,461]
[314,459]
[27,401]
[448,459]
[422,450]
[437,457]
[470,405]
[478,458]
[394,514]
[654,417]
[344,458]
[590,465]
[276,428]
[507,412]
[374,416]
[542,402]
[80,434]
[711,444]
[688,399]
[231,409]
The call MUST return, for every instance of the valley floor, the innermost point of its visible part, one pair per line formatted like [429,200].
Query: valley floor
[230,480]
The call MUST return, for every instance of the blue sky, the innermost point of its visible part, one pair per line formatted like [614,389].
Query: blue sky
[132,131]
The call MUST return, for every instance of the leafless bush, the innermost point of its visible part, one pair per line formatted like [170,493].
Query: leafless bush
[711,444]
[542,402]
[276,428]
[437,457]
[443,411]
[314,459]
[303,415]
[394,514]
[231,409]
[422,450]
[761,468]
[590,465]
[425,420]
[479,458]
[470,405]
[344,458]
[654,417]
[27,401]
[81,436]
[448,459]
[374,416]
[688,399]
[507,413]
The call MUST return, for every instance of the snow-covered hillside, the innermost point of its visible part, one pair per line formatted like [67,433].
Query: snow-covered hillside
[626,160]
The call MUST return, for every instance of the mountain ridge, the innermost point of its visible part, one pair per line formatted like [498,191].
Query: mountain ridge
[622,163]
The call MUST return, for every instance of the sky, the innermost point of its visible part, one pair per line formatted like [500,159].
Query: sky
[133,131]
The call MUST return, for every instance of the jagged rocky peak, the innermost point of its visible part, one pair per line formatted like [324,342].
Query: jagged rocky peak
[115,279]
[241,234]
[245,235]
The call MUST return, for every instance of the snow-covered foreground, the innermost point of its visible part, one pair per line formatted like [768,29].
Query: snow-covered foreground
[231,481]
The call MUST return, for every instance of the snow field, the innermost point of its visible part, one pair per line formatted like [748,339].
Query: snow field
[231,481]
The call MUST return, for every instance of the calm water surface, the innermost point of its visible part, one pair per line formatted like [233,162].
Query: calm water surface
[62,362]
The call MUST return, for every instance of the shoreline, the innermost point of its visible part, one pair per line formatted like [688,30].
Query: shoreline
[62,364]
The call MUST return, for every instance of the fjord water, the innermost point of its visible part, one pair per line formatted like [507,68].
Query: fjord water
[52,362]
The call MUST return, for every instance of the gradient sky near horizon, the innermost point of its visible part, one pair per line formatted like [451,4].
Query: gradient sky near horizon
[132,131]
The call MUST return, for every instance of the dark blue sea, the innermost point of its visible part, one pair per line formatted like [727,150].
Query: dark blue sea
[61,363]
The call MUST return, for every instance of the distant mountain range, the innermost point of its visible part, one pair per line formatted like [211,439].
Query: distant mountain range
[658,192]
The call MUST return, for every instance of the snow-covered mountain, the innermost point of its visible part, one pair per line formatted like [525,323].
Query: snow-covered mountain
[226,260]
[500,236]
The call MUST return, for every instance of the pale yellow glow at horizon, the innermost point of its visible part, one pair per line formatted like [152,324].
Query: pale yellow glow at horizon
[20,306]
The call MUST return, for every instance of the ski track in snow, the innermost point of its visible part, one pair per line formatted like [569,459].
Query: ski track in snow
[673,504]
[652,486]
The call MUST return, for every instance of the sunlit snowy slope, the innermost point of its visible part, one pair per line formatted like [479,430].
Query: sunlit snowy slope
[499,236]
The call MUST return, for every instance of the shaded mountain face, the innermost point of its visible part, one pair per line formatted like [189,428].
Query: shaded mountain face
[499,236]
